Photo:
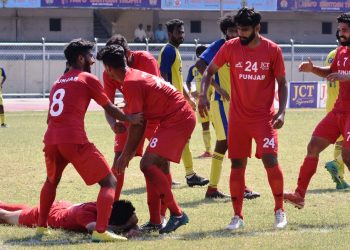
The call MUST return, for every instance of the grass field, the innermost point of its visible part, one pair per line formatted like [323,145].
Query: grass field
[324,223]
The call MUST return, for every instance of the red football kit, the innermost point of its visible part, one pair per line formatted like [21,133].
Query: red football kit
[65,139]
[160,101]
[144,61]
[253,73]
[337,122]
[63,215]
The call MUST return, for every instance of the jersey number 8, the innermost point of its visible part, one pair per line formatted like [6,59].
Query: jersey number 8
[57,102]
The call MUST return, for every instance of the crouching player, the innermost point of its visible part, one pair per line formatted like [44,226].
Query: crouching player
[157,100]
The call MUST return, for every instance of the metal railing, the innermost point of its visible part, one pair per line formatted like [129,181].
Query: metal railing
[31,68]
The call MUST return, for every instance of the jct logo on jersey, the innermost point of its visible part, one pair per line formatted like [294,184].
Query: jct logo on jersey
[264,65]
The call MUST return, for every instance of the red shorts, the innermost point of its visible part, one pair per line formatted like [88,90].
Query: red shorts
[172,135]
[332,126]
[86,159]
[120,139]
[240,135]
[29,216]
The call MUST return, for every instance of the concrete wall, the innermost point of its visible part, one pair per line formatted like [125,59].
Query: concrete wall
[29,25]
[32,24]
[303,27]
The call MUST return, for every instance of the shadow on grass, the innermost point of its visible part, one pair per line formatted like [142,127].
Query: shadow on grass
[139,190]
[196,203]
[323,227]
[52,240]
[327,190]
[223,233]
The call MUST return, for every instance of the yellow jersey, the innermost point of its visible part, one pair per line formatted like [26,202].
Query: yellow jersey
[170,62]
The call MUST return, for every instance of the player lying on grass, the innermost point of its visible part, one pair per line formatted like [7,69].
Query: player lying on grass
[76,217]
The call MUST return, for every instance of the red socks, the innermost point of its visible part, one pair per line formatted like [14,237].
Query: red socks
[47,197]
[153,201]
[307,170]
[104,207]
[275,177]
[159,180]
[237,186]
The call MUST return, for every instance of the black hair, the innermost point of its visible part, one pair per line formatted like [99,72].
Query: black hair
[200,49]
[75,48]
[227,21]
[247,17]
[337,35]
[344,18]
[118,40]
[112,55]
[171,24]
[121,212]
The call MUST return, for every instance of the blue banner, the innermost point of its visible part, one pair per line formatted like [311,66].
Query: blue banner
[303,94]
[140,4]
[21,4]
[314,5]
[266,5]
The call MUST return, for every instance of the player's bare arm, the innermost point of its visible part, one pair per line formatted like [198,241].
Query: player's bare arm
[116,126]
[164,75]
[338,77]
[203,102]
[134,137]
[190,99]
[201,66]
[309,67]
[278,119]
[116,113]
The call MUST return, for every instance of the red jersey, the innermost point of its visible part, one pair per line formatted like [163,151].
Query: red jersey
[142,60]
[253,73]
[341,64]
[69,99]
[156,98]
[63,214]
[72,217]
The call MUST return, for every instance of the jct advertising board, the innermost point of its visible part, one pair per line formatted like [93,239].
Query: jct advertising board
[307,94]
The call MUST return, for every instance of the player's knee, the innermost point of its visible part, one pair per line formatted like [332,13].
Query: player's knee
[313,148]
[53,181]
[108,181]
[346,157]
[237,163]
[269,160]
[221,146]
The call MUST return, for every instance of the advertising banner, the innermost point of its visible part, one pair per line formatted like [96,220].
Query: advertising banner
[140,4]
[20,3]
[265,5]
[303,95]
[314,5]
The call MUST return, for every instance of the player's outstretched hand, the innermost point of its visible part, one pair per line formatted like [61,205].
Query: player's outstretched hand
[223,93]
[120,165]
[306,66]
[135,119]
[192,102]
[203,105]
[337,77]
[119,128]
[278,121]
